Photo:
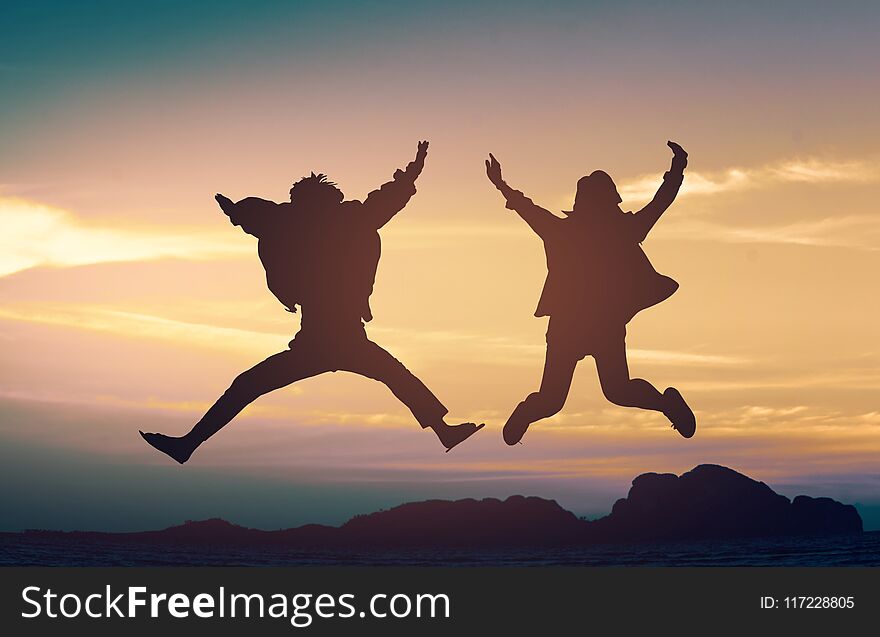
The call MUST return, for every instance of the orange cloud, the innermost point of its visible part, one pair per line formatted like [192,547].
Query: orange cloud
[810,170]
[36,235]
[861,232]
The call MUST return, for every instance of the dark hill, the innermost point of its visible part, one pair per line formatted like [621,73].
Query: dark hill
[711,501]
[707,502]
[517,520]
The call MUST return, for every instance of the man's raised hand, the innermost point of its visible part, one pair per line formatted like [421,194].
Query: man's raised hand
[493,171]
[415,167]
[679,156]
[422,151]
[226,204]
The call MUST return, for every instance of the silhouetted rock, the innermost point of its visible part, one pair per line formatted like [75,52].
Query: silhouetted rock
[711,501]
[517,520]
[824,515]
[707,502]
[217,529]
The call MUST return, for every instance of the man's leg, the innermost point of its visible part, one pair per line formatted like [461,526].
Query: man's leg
[559,366]
[273,373]
[370,360]
[622,390]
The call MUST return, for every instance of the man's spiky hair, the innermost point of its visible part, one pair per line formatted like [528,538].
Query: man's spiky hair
[320,178]
[317,186]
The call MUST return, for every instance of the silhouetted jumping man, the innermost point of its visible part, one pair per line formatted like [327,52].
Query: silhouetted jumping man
[321,253]
[598,279]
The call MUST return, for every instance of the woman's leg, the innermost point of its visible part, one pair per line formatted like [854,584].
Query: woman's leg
[559,366]
[622,390]
[616,384]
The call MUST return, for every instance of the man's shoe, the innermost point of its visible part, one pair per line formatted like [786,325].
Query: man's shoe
[456,434]
[176,448]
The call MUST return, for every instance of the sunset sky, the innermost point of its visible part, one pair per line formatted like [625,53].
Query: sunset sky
[128,301]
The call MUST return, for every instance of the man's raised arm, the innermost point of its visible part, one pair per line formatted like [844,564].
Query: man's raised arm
[539,219]
[382,204]
[646,217]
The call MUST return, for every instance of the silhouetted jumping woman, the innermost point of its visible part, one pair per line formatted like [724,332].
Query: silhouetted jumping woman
[321,253]
[598,279]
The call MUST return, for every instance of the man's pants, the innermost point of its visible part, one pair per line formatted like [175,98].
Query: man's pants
[310,355]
